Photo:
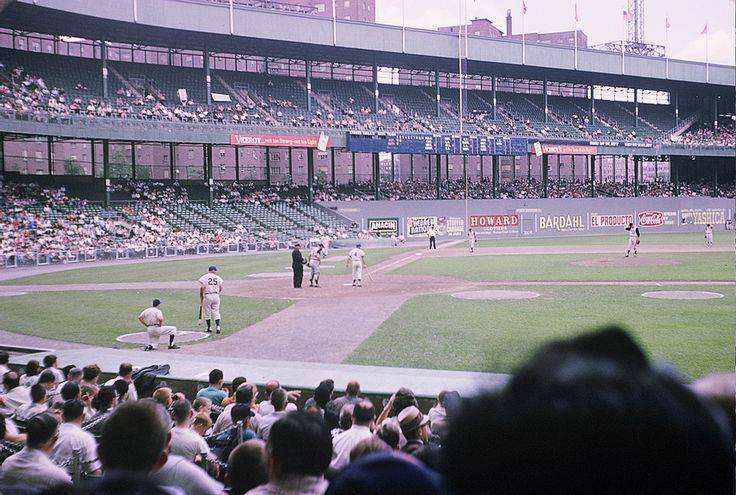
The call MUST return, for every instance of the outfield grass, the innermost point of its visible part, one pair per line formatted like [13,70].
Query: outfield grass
[230,268]
[99,317]
[442,332]
[689,238]
[692,266]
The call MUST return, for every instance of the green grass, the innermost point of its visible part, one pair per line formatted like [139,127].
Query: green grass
[693,266]
[442,332]
[230,268]
[690,238]
[99,317]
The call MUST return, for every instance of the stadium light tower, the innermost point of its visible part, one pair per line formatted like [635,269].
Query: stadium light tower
[634,43]
[636,21]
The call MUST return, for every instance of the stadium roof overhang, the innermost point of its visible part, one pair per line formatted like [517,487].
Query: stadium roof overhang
[196,25]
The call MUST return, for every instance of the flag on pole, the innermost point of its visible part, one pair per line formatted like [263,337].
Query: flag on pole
[705,30]
[627,16]
[523,6]
[667,24]
[577,18]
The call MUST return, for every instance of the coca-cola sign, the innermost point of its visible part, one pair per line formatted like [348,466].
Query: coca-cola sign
[651,218]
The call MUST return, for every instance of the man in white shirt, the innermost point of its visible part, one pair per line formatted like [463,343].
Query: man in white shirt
[72,437]
[14,396]
[125,372]
[36,406]
[31,469]
[245,394]
[363,417]
[188,477]
[50,363]
[210,286]
[153,319]
[432,234]
[185,442]
[356,258]
[278,401]
[4,359]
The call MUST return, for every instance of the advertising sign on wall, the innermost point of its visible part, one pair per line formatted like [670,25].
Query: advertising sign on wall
[653,218]
[279,141]
[383,227]
[451,226]
[703,216]
[419,226]
[600,220]
[495,224]
[568,149]
[561,223]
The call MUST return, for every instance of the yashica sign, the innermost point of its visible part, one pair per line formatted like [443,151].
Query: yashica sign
[282,141]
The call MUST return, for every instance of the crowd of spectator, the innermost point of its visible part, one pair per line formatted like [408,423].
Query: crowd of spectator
[705,136]
[584,415]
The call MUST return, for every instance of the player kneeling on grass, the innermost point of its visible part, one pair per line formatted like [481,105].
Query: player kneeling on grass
[153,319]
[633,239]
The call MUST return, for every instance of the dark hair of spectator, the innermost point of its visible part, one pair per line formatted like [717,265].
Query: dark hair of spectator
[38,393]
[247,467]
[69,391]
[403,398]
[125,369]
[49,361]
[364,412]
[389,433]
[300,444]
[180,410]
[40,429]
[215,376]
[90,372]
[73,410]
[278,399]
[121,387]
[33,367]
[244,394]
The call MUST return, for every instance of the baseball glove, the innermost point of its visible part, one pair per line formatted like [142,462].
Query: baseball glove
[638,241]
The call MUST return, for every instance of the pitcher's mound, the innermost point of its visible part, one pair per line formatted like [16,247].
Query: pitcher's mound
[621,261]
[181,336]
[682,294]
[495,295]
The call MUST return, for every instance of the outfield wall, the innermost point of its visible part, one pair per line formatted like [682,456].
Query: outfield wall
[538,217]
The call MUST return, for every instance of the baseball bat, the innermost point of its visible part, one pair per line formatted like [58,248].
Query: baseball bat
[199,317]
[369,274]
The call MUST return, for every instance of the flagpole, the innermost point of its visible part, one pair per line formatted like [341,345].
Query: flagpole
[666,48]
[403,26]
[334,24]
[576,36]
[523,35]
[707,66]
[623,46]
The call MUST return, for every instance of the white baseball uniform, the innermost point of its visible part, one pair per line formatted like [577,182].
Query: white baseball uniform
[212,284]
[709,235]
[633,237]
[472,239]
[356,257]
[153,318]
[315,258]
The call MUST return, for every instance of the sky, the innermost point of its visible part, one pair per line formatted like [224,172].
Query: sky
[601,20]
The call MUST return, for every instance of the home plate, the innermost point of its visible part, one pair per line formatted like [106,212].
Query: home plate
[495,294]
[682,294]
[271,275]
[181,336]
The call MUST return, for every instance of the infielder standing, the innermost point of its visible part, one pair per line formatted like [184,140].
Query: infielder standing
[472,239]
[357,258]
[633,238]
[153,319]
[210,286]
[315,258]
[709,235]
[432,239]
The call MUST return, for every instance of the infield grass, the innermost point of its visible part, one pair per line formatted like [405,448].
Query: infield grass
[97,318]
[442,332]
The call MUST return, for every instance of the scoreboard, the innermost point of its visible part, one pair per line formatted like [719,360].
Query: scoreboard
[439,144]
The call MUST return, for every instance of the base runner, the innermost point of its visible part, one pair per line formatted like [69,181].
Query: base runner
[709,235]
[315,258]
[634,239]
[356,257]
[153,319]
[210,286]
[472,239]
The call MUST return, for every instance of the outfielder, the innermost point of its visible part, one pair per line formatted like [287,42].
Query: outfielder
[709,235]
[633,239]
[153,319]
[356,256]
[210,286]
[472,239]
[315,258]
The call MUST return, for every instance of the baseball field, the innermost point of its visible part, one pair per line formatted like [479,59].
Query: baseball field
[440,309]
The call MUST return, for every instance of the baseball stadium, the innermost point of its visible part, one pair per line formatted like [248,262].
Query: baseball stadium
[399,220]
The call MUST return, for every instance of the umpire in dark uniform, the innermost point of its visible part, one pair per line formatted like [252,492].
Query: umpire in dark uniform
[297,264]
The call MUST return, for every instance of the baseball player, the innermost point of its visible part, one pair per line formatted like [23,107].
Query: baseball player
[432,237]
[356,257]
[472,239]
[153,319]
[210,286]
[633,238]
[709,235]
[315,258]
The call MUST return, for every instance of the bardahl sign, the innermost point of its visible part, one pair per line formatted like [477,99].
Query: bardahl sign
[275,140]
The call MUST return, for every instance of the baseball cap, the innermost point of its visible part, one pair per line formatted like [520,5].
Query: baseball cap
[241,411]
[212,268]
[357,245]
[411,419]
[156,302]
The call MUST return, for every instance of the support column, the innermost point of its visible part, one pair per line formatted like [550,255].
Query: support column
[626,170]
[528,167]
[592,105]
[437,92]
[545,175]
[308,69]
[310,175]
[207,76]
[675,167]
[353,159]
[393,166]
[636,108]
[465,168]
[546,107]
[429,169]
[677,108]
[210,178]
[592,176]
[291,165]
[715,178]
[332,167]
[172,162]
[494,176]
[103,56]
[376,176]
[268,166]
[375,89]
[133,164]
[106,170]
[481,167]
[493,95]
[559,168]
[411,167]
[447,167]
[438,176]
[50,154]
[715,114]
[613,167]
[93,158]
[572,158]
[636,175]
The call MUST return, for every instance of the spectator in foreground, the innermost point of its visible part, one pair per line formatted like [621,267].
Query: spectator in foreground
[352,391]
[72,437]
[299,451]
[36,406]
[414,426]
[185,442]
[246,467]
[31,469]
[589,415]
[214,391]
[265,423]
[342,445]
